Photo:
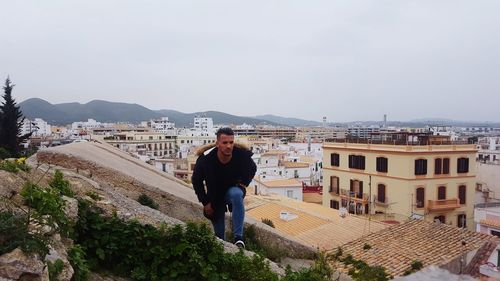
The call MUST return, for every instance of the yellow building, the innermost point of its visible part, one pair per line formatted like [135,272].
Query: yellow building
[401,175]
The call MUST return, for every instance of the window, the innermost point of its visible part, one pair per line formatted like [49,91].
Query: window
[495,233]
[357,162]
[461,194]
[334,184]
[462,165]
[420,197]
[442,166]
[334,204]
[335,159]
[382,164]
[357,188]
[442,192]
[421,167]
[289,193]
[441,218]
[461,221]
[381,193]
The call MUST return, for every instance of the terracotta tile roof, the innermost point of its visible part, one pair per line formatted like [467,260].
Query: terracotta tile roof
[282,183]
[274,152]
[288,164]
[316,226]
[490,222]
[431,243]
[308,159]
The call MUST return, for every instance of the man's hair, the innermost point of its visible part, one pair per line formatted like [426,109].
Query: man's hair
[224,131]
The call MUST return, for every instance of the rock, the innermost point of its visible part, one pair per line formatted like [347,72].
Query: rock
[16,264]
[58,252]
[70,208]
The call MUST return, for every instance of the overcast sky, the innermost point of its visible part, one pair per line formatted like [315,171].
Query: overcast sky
[346,60]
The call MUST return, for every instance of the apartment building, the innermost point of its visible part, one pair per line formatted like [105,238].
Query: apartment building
[152,145]
[405,175]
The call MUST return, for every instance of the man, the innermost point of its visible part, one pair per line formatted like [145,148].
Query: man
[225,171]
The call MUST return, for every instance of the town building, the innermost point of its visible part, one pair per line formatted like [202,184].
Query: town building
[38,127]
[149,145]
[403,176]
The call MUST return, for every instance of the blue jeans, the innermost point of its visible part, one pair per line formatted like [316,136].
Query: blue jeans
[234,196]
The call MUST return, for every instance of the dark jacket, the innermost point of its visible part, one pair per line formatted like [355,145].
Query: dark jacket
[217,178]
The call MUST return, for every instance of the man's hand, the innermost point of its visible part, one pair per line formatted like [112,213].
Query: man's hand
[208,211]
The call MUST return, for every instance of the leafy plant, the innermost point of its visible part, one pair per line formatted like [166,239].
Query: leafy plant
[55,269]
[268,222]
[76,257]
[147,201]
[415,266]
[8,166]
[14,233]
[62,185]
[4,153]
[48,206]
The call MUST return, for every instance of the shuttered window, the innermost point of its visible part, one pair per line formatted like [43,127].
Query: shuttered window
[381,193]
[421,167]
[462,165]
[420,197]
[335,159]
[382,164]
[461,194]
[442,192]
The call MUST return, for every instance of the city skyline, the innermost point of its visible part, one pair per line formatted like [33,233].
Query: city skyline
[343,60]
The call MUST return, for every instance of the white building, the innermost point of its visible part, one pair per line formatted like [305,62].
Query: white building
[163,126]
[37,126]
[291,188]
[204,126]
[90,124]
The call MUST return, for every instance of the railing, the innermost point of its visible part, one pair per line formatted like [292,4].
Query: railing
[356,196]
[383,203]
[443,205]
[396,142]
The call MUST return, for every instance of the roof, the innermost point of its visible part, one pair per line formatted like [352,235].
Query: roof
[281,183]
[396,247]
[316,226]
[490,222]
[274,152]
[308,159]
[288,164]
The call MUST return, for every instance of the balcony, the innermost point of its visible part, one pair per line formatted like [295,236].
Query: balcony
[354,196]
[442,205]
[384,203]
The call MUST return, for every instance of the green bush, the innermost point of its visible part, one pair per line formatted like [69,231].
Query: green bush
[14,233]
[62,185]
[55,269]
[143,252]
[9,166]
[147,201]
[48,206]
[76,257]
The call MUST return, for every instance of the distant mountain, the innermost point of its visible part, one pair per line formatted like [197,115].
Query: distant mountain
[105,111]
[186,119]
[102,111]
[288,121]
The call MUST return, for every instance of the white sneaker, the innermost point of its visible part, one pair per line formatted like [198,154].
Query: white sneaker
[240,244]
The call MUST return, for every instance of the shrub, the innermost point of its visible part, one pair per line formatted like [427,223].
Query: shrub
[76,257]
[8,166]
[60,184]
[48,206]
[147,201]
[4,153]
[55,269]
[14,233]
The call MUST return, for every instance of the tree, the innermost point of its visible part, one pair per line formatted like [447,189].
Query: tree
[11,120]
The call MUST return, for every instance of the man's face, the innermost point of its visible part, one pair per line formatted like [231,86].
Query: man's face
[225,144]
